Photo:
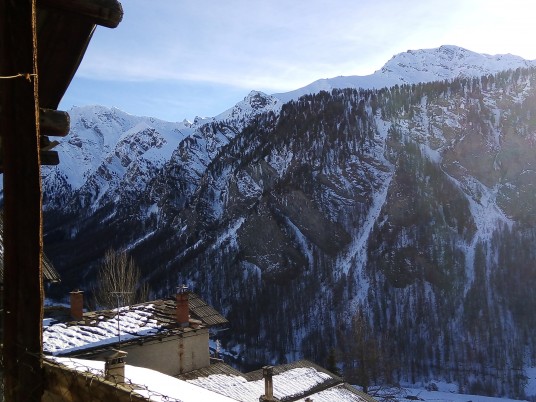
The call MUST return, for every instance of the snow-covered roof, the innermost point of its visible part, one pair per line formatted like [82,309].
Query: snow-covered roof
[150,383]
[134,321]
[339,393]
[291,382]
[100,328]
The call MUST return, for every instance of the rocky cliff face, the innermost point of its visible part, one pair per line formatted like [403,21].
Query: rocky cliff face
[405,211]
[403,206]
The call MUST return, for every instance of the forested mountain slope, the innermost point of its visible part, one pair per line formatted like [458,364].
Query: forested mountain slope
[408,211]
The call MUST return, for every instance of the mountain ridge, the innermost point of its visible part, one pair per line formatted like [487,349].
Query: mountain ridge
[415,66]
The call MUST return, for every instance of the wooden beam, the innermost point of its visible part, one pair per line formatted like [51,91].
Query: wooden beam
[19,128]
[55,123]
[50,158]
[62,42]
[47,148]
[107,13]
[64,32]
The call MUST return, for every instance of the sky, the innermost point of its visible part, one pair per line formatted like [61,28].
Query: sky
[174,59]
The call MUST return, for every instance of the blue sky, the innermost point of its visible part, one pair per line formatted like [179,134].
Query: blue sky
[180,59]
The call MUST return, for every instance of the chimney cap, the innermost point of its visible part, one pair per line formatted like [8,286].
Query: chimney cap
[113,354]
[268,370]
[182,289]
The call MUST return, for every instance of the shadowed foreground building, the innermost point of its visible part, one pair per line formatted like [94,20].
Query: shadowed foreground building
[41,46]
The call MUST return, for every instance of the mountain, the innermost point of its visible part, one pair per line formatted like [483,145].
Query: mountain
[114,164]
[414,66]
[397,220]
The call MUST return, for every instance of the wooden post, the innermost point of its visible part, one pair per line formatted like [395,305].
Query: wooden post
[54,122]
[19,130]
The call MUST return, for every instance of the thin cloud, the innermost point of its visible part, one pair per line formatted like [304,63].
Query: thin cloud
[278,46]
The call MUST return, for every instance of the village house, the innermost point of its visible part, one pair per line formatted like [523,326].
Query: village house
[170,336]
[143,346]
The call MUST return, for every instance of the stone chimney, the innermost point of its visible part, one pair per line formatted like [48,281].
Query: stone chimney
[77,305]
[182,313]
[267,373]
[114,366]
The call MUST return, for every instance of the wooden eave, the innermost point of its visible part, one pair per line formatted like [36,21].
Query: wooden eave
[64,30]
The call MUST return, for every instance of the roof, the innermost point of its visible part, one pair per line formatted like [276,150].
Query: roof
[64,31]
[204,312]
[150,383]
[292,382]
[216,368]
[143,320]
[257,374]
[49,272]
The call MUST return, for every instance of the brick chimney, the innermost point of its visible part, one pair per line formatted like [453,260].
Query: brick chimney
[114,366]
[77,305]
[182,311]
[267,373]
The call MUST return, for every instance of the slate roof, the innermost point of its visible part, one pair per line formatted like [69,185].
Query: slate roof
[151,384]
[213,369]
[257,374]
[163,311]
[292,382]
[143,320]
[204,312]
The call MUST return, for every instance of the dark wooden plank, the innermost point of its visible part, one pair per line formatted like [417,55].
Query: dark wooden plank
[62,42]
[55,123]
[63,38]
[50,158]
[23,290]
[107,13]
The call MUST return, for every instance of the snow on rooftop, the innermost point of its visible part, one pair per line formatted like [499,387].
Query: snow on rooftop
[338,393]
[134,321]
[161,387]
[290,383]
[154,385]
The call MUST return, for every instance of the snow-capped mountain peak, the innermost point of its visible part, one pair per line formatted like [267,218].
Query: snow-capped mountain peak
[414,66]
[252,104]
[447,62]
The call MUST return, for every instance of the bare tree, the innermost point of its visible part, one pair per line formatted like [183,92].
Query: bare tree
[367,362]
[118,281]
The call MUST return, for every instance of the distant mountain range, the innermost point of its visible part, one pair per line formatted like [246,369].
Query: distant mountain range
[399,204]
